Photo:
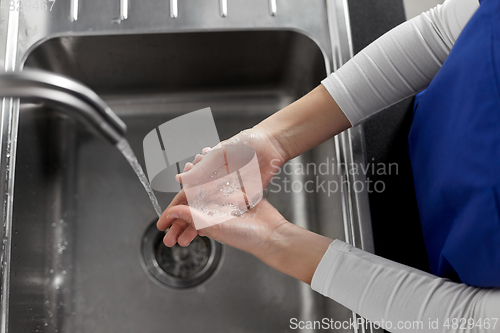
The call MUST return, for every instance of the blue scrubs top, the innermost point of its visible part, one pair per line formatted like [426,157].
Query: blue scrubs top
[454,146]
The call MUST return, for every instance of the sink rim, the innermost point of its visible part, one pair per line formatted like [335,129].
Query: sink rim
[33,47]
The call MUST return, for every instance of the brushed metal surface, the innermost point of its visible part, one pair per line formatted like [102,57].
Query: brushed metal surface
[80,213]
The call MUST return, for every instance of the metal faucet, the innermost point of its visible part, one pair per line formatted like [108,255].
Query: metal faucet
[67,94]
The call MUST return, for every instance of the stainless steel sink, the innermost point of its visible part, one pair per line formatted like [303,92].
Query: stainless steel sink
[80,215]
[77,251]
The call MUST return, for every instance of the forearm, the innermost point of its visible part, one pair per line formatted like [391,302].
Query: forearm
[294,251]
[307,122]
[395,66]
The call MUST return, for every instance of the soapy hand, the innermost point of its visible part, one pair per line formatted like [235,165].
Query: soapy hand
[269,155]
[250,232]
[215,193]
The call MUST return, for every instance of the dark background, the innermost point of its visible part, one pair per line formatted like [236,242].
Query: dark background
[395,221]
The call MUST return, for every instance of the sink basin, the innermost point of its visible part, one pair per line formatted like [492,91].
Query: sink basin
[80,214]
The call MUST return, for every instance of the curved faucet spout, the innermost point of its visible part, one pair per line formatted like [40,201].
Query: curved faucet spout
[69,95]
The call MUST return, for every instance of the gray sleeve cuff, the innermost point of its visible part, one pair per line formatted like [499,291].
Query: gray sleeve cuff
[324,272]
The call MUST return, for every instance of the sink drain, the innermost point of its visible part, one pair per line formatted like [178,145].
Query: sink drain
[177,266]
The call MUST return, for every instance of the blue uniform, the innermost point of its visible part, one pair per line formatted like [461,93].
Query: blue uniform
[454,146]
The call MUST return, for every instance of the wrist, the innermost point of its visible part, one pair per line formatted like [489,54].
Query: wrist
[278,137]
[273,241]
[294,251]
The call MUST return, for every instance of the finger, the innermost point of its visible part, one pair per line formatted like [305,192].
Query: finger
[188,166]
[181,212]
[188,215]
[179,199]
[166,217]
[197,158]
[210,166]
[165,221]
[187,236]
[174,232]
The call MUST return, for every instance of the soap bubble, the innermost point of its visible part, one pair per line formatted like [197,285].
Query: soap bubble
[225,184]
